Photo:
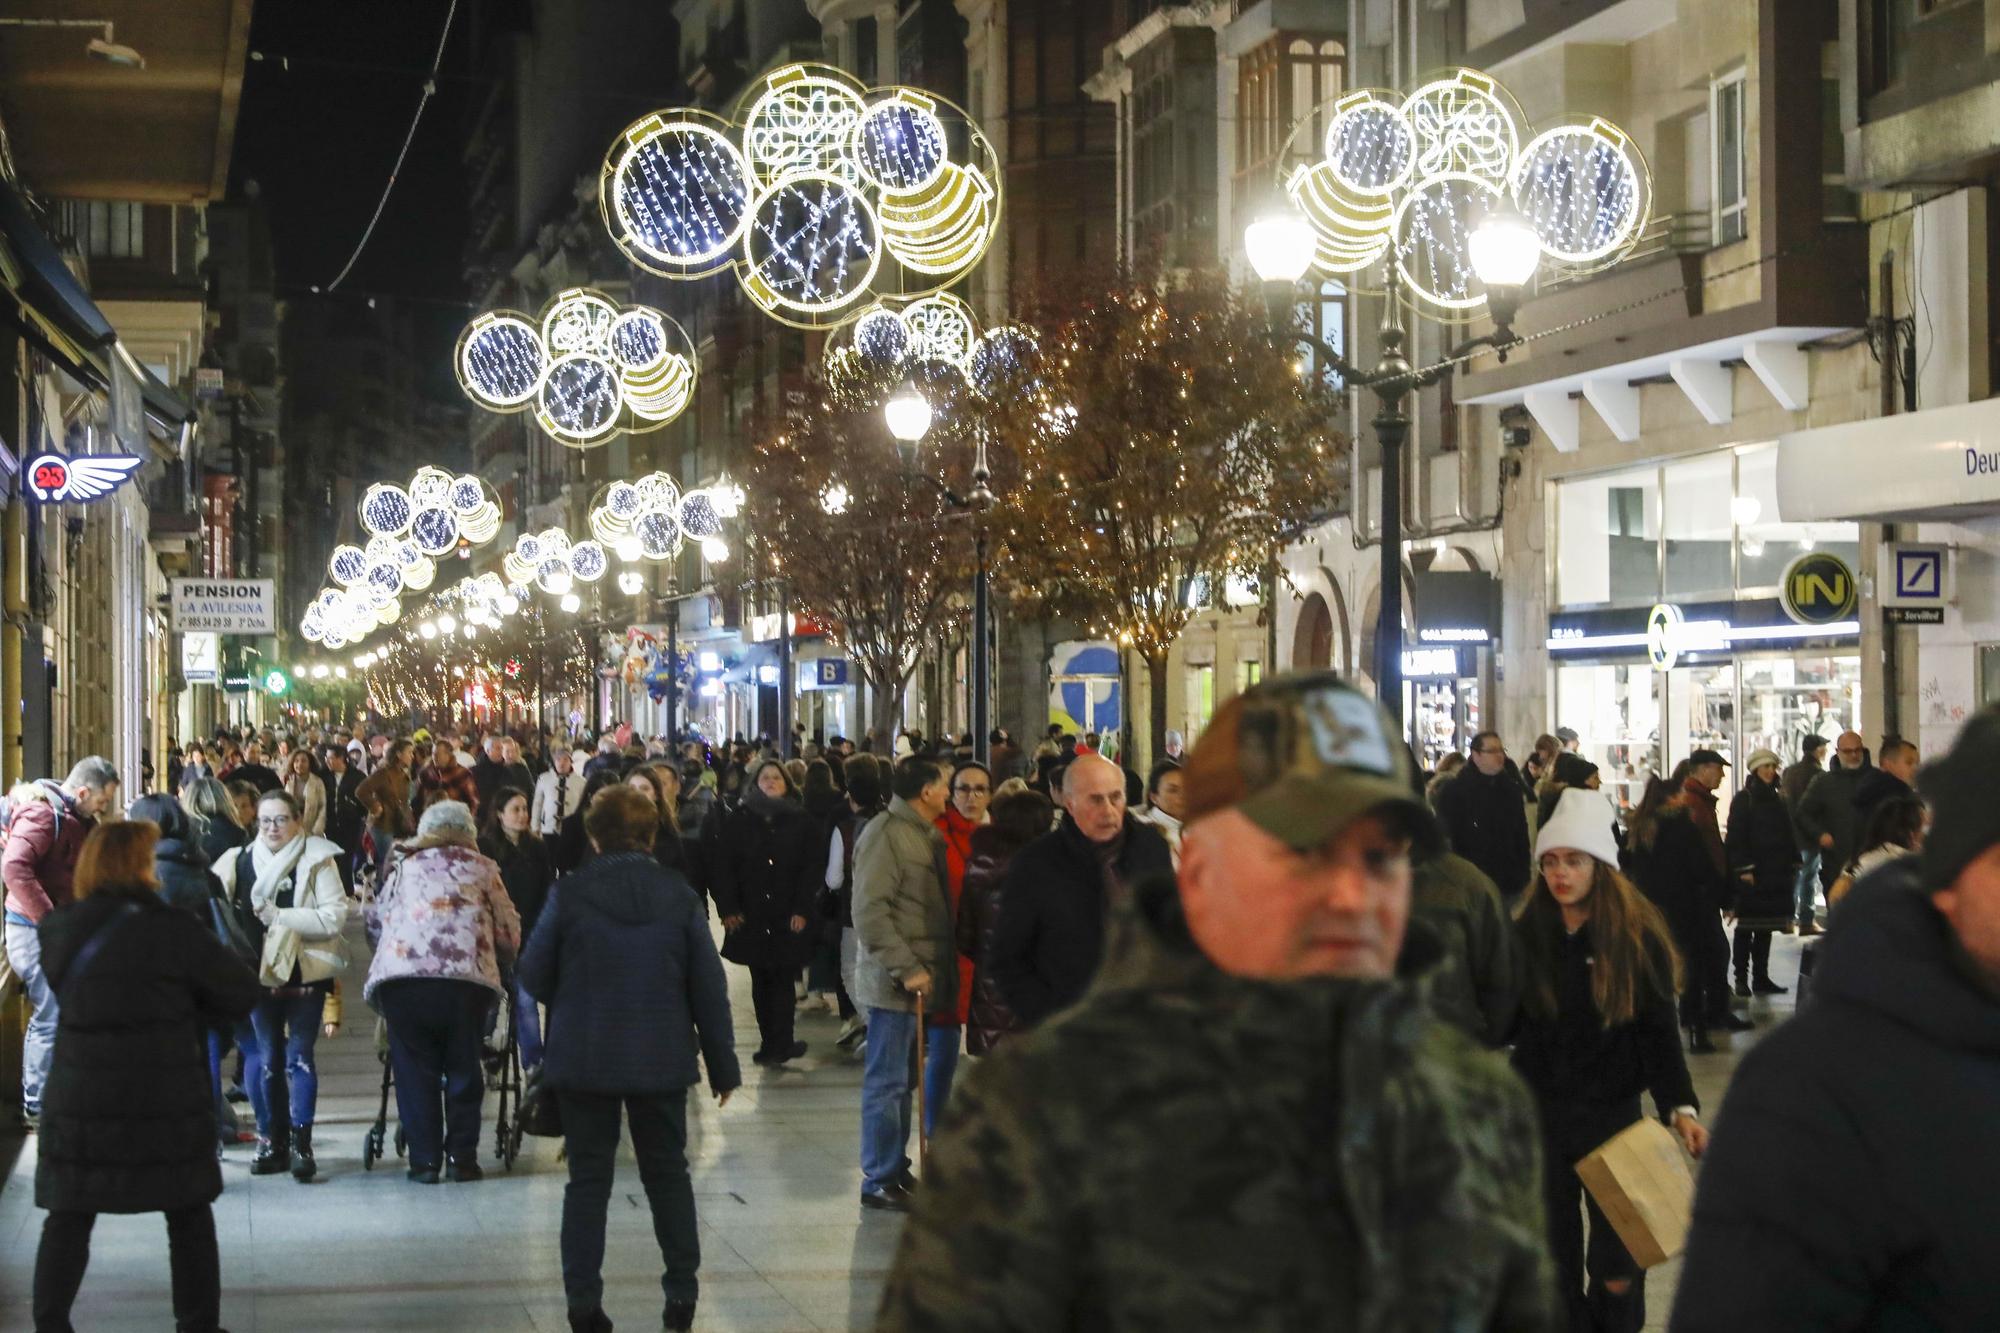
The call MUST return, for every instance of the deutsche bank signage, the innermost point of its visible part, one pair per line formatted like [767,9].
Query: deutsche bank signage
[225,606]
[1942,462]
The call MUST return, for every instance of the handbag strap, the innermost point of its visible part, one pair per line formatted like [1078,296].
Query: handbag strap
[91,946]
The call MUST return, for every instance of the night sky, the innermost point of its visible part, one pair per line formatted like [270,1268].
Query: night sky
[322,115]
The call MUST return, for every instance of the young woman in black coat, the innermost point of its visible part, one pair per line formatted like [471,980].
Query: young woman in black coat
[1665,857]
[765,866]
[510,842]
[1597,1029]
[179,864]
[128,1124]
[1764,858]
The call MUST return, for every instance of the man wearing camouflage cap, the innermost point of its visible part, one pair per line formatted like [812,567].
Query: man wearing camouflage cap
[1251,1120]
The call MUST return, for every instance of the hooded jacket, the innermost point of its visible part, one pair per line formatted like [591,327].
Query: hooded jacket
[1185,1149]
[1851,1179]
[45,835]
[623,958]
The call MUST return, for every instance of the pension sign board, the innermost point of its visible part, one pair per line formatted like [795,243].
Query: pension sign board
[225,606]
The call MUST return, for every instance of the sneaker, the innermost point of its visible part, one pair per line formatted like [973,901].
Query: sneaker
[851,1034]
[894,1199]
[31,1122]
[679,1316]
[304,1168]
[236,1094]
[463,1173]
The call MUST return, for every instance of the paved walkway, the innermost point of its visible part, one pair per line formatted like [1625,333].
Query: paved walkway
[784,1244]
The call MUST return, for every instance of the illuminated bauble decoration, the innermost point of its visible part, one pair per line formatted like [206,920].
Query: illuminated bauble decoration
[599,368]
[386,510]
[942,329]
[650,519]
[659,536]
[678,193]
[821,192]
[881,337]
[1002,358]
[699,517]
[435,531]
[933,342]
[501,359]
[347,565]
[1406,179]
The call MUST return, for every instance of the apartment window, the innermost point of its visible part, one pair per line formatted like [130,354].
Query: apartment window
[1200,700]
[1326,320]
[866,50]
[1279,86]
[1729,191]
[1249,672]
[115,230]
[1989,674]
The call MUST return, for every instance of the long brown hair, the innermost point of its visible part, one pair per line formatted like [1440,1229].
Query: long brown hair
[118,855]
[1644,825]
[1629,946]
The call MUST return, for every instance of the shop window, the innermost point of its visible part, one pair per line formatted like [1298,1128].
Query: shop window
[1730,192]
[1608,539]
[1699,528]
[1765,546]
[1989,674]
[115,230]
[1615,712]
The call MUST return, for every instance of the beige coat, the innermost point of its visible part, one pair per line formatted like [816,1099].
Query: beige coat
[902,916]
[308,933]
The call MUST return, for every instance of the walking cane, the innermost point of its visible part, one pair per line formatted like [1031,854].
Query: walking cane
[923,1132]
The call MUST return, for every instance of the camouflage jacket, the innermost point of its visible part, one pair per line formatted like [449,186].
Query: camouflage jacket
[1189,1150]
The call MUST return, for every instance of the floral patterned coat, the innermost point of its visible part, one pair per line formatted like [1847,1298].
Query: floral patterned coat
[442,914]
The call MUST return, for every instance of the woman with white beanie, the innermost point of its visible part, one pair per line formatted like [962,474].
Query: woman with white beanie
[441,925]
[1597,1029]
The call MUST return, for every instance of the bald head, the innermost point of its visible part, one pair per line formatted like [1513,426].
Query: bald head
[1851,749]
[1093,791]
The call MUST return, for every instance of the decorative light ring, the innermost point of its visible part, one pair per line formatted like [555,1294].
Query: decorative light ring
[622,501]
[430,486]
[801,125]
[880,337]
[419,576]
[347,565]
[698,516]
[941,328]
[386,580]
[386,510]
[481,526]
[677,194]
[578,321]
[1003,357]
[1350,231]
[553,575]
[500,360]
[813,246]
[1583,188]
[1464,123]
[467,496]
[657,396]
[900,143]
[580,400]
[435,531]
[588,561]
[943,227]
[1434,226]
[1371,147]
[659,535]
[638,339]
[657,492]
[528,548]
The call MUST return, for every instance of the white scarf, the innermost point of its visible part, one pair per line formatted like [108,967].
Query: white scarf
[276,866]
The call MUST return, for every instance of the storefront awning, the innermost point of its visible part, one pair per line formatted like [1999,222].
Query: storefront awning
[1942,463]
[58,314]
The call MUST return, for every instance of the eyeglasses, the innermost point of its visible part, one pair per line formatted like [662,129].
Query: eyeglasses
[274,821]
[980,790]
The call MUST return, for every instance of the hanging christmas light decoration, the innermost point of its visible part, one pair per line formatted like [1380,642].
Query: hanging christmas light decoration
[934,340]
[652,518]
[1408,179]
[819,193]
[587,370]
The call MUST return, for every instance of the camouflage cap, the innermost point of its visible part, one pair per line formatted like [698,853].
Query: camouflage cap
[1303,756]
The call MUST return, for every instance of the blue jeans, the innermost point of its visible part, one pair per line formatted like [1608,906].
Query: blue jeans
[527,1028]
[940,1063]
[288,1023]
[659,1141]
[24,955]
[1808,885]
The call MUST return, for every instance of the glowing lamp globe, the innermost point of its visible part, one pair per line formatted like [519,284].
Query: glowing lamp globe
[714,550]
[446,624]
[631,582]
[908,413]
[1505,250]
[1280,246]
[571,603]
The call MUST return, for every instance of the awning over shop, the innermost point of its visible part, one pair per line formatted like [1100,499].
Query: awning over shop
[58,314]
[1939,464]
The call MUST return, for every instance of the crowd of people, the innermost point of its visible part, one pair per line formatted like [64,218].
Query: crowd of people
[1220,1097]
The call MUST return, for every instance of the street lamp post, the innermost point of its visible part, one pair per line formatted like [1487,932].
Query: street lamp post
[1504,251]
[909,417]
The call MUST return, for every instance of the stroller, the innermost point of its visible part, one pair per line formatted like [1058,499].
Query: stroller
[503,1076]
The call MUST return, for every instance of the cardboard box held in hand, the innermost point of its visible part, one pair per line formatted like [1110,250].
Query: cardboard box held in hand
[1640,1179]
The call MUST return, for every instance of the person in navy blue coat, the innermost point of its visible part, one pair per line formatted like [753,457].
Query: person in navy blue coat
[623,959]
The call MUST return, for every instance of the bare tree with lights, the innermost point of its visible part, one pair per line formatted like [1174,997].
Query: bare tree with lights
[1169,445]
[861,542]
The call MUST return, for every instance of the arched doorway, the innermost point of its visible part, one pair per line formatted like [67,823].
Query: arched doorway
[1312,640]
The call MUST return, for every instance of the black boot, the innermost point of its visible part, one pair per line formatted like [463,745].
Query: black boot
[272,1159]
[1698,1042]
[679,1316]
[1766,986]
[589,1321]
[304,1168]
[1742,986]
[1733,1022]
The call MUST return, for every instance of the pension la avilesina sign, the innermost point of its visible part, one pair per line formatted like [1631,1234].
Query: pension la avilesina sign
[225,606]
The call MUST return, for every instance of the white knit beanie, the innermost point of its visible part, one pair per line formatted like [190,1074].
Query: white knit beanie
[1582,820]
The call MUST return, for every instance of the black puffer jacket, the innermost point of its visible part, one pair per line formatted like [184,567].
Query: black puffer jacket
[1487,822]
[185,879]
[1761,845]
[1851,1180]
[767,865]
[127,1121]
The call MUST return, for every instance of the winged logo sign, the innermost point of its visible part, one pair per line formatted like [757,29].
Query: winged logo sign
[55,479]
